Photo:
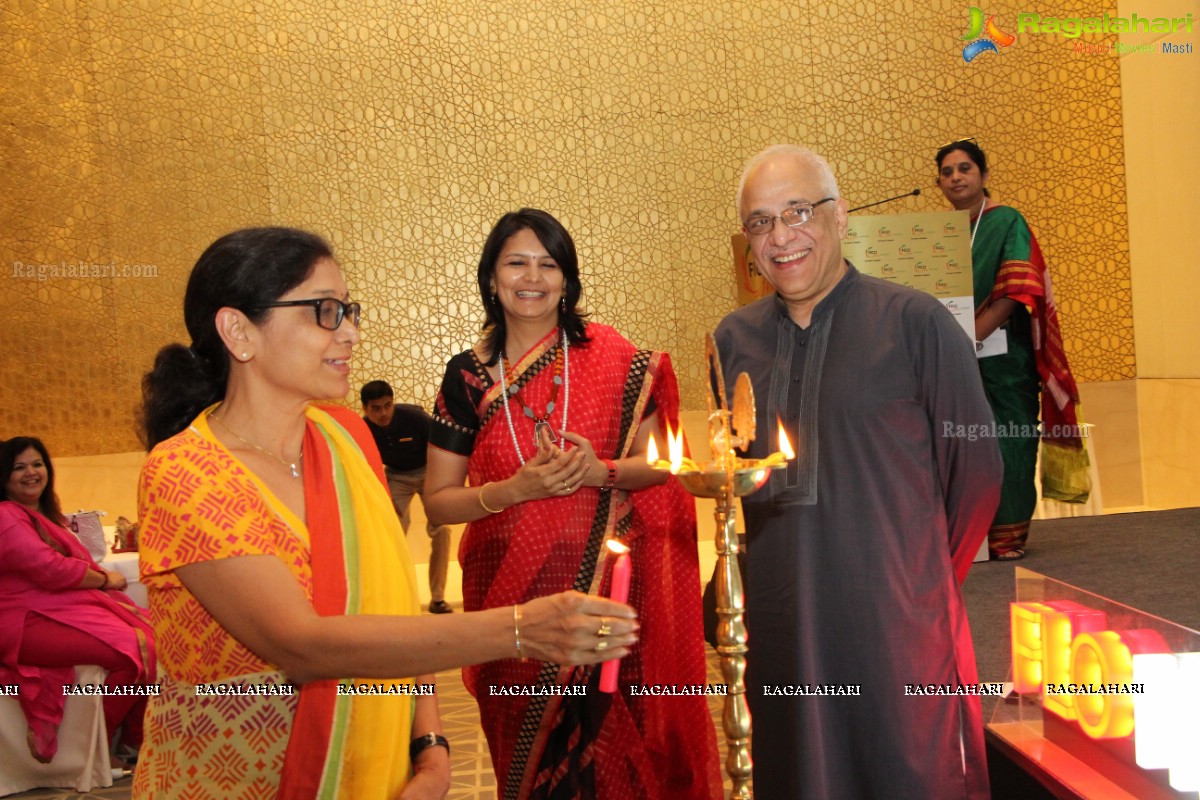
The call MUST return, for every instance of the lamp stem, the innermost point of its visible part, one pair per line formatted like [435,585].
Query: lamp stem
[731,638]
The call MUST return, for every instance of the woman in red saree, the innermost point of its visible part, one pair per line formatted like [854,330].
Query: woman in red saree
[274,558]
[548,420]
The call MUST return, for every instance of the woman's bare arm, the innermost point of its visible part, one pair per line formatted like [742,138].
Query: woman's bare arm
[260,603]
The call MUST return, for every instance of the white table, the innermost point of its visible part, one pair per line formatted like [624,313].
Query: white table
[127,565]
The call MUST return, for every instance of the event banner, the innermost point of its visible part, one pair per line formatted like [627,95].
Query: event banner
[930,252]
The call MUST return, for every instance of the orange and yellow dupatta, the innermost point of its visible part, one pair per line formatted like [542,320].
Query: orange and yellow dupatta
[345,745]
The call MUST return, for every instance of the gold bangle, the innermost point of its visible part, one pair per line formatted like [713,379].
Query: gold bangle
[517,630]
[483,504]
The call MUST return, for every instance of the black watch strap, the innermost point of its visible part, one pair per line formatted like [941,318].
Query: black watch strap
[422,743]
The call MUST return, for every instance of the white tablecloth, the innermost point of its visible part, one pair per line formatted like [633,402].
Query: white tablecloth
[127,565]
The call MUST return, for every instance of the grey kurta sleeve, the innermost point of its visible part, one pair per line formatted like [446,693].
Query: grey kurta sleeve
[965,449]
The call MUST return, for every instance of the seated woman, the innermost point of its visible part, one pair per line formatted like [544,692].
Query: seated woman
[548,419]
[273,556]
[58,609]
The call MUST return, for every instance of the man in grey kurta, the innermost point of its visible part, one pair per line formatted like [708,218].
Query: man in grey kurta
[856,550]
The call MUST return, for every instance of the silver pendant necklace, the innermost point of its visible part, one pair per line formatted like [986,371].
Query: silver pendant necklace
[544,422]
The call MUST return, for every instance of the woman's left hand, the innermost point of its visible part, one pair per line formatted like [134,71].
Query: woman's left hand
[595,473]
[431,776]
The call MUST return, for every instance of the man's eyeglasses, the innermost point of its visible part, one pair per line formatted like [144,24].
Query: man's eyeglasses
[792,216]
[330,312]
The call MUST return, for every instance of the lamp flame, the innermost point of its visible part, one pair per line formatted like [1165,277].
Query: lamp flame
[652,452]
[616,547]
[785,446]
[675,449]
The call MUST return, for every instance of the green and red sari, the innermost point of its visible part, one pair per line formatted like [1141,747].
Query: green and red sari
[1033,375]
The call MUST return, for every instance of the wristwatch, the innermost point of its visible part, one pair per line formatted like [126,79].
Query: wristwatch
[422,743]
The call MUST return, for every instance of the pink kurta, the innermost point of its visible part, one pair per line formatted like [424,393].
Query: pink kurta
[37,579]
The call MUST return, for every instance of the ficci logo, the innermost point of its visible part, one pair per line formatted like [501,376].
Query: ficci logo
[994,36]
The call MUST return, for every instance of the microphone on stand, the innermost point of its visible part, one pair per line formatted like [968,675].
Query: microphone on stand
[913,193]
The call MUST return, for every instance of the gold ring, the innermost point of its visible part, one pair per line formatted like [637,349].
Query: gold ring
[605,627]
[601,645]
[566,486]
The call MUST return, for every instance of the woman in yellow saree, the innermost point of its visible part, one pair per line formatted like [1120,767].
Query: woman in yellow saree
[294,661]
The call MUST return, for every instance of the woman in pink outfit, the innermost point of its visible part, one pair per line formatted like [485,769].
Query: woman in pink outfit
[59,608]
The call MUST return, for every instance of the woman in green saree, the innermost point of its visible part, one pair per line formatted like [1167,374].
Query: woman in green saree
[1018,339]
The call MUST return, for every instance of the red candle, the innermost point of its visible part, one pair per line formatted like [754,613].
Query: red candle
[619,591]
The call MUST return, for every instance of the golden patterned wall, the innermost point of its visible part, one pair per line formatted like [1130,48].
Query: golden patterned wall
[135,133]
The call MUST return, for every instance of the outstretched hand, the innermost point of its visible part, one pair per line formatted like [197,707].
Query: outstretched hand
[575,628]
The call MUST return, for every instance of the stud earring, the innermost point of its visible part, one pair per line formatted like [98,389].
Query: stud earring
[245,356]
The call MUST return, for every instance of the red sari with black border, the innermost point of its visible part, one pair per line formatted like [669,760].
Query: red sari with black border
[545,744]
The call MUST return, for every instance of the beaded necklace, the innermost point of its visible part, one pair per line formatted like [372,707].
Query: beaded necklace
[562,377]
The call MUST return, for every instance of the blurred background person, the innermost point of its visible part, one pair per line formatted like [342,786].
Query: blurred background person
[1016,320]
[401,433]
[547,420]
[272,553]
[59,608]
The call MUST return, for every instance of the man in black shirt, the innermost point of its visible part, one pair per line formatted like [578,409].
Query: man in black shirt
[401,433]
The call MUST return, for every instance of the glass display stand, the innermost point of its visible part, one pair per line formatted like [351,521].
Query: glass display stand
[1106,698]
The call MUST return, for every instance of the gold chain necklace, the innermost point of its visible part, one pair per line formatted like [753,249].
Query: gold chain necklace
[294,466]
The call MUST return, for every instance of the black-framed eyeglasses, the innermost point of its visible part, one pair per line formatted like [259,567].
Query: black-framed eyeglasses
[792,216]
[329,311]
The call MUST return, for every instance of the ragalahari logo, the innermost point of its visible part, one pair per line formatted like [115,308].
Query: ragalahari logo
[994,36]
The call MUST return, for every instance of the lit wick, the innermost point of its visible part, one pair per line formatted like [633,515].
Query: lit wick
[785,453]
[618,591]
[678,461]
